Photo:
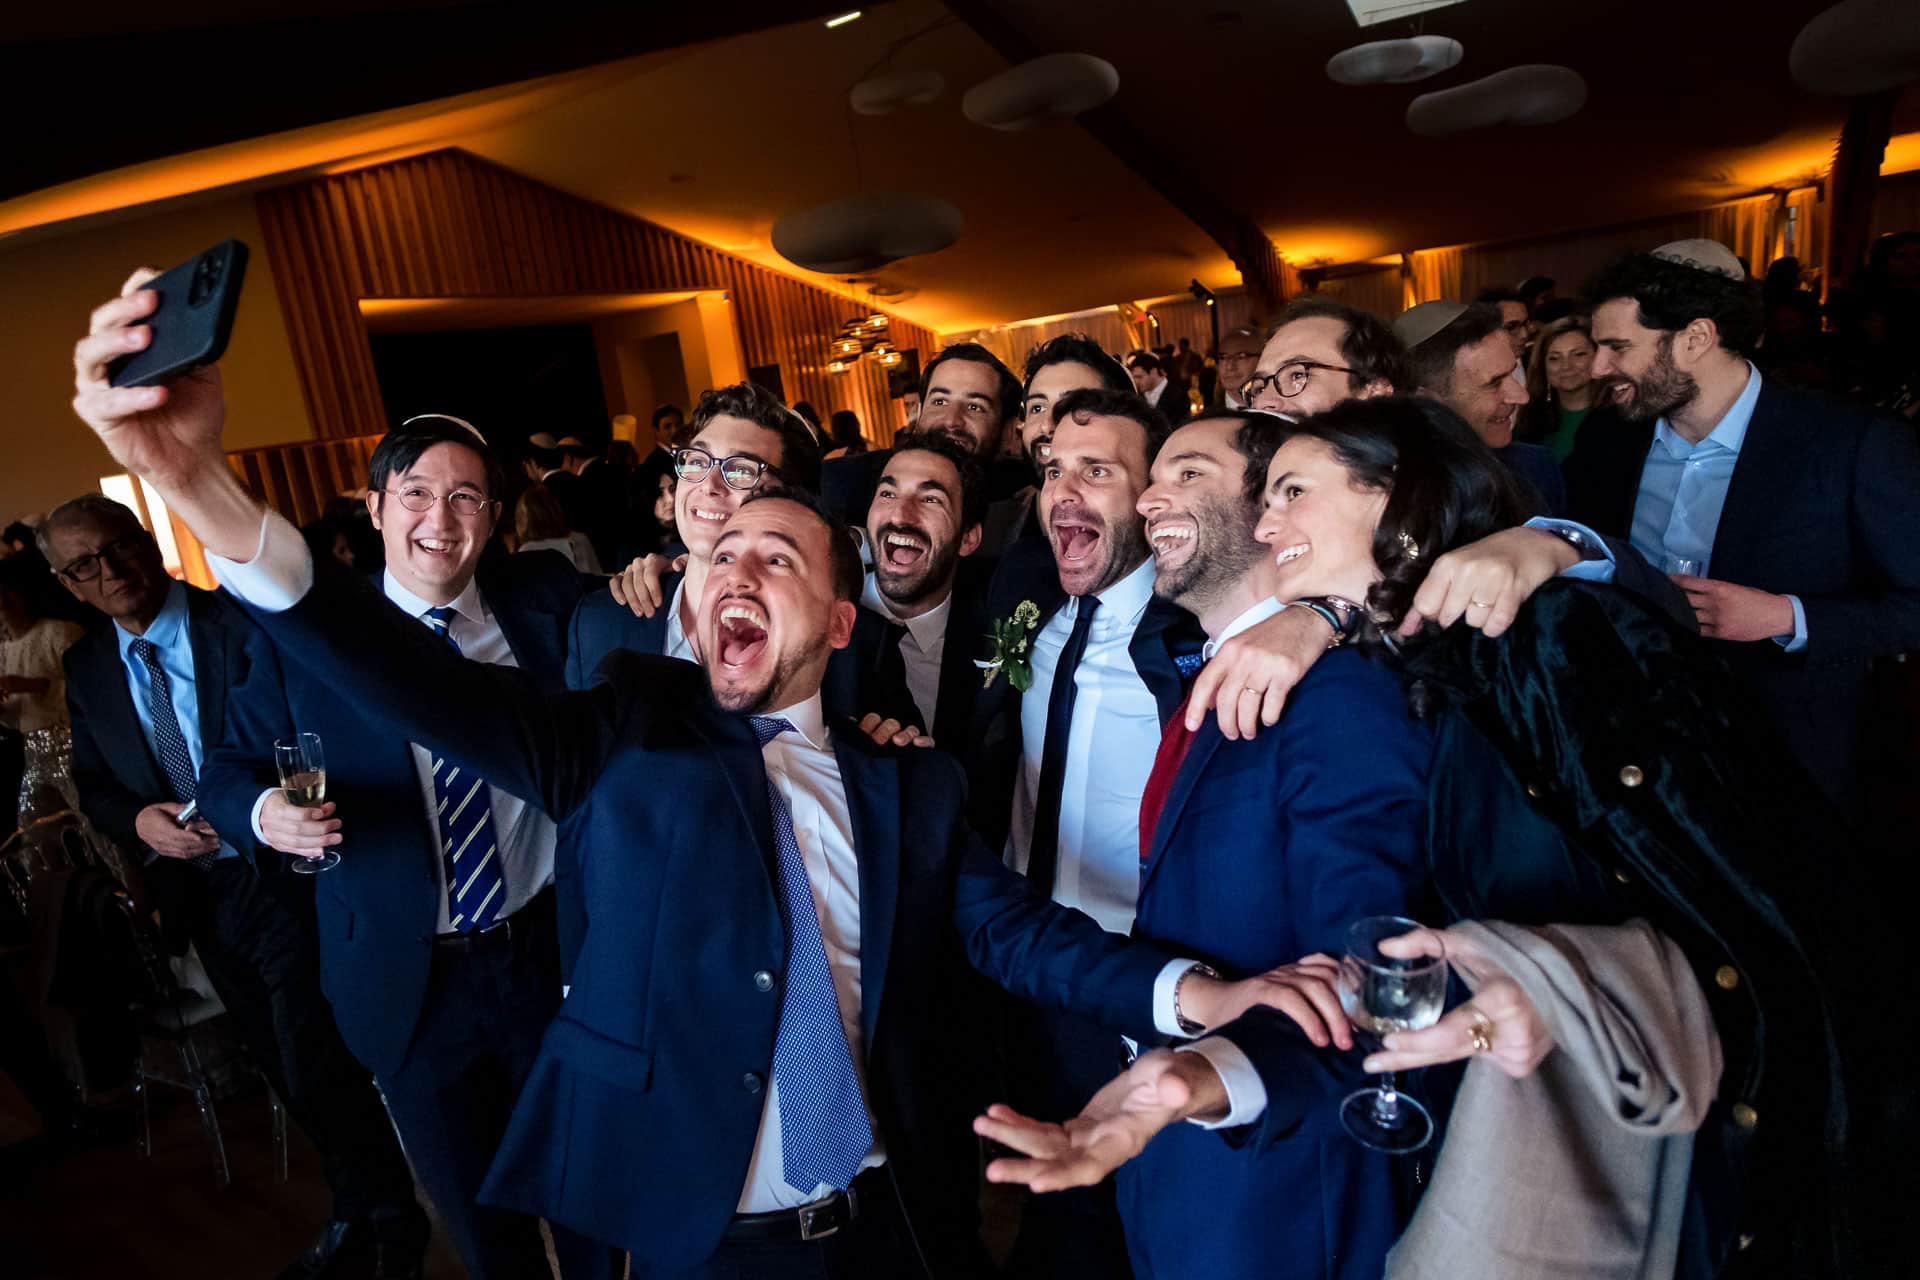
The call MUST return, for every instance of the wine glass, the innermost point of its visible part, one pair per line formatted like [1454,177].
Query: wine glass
[1681,566]
[303,778]
[1382,994]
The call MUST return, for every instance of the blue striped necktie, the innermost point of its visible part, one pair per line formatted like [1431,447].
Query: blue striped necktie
[824,1130]
[475,888]
[168,742]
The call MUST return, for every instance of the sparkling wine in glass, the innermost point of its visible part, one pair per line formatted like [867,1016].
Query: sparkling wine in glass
[1382,995]
[303,780]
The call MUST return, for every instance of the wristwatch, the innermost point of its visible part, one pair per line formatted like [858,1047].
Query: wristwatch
[1188,1026]
[1338,612]
[1580,542]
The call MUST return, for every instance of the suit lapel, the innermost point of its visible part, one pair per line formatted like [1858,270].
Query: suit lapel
[959,678]
[873,802]
[1165,632]
[120,732]
[1753,495]
[1634,441]
[1205,743]
[207,639]
[745,770]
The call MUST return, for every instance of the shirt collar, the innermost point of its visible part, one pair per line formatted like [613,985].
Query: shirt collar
[808,718]
[1729,433]
[167,627]
[676,631]
[468,604]
[1122,603]
[924,628]
[1252,617]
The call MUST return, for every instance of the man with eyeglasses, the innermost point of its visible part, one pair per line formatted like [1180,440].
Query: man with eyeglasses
[441,947]
[148,696]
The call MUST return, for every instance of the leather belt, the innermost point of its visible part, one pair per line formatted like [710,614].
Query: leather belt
[815,1221]
[501,932]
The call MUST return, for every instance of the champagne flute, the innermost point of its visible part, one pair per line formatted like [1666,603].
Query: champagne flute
[303,779]
[1383,994]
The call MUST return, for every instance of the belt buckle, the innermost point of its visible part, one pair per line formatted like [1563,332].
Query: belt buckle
[810,1214]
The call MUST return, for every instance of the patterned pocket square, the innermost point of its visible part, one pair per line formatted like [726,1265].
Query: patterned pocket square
[1189,664]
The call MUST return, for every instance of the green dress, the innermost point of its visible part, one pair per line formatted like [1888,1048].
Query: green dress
[1560,439]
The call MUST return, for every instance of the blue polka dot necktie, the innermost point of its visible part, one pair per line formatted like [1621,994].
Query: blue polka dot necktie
[824,1130]
[168,742]
[476,889]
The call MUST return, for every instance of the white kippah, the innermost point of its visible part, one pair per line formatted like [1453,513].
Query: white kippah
[447,417]
[1703,255]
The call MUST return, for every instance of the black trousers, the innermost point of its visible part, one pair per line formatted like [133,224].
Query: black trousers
[479,1033]
[256,936]
[1055,1063]
[875,1246]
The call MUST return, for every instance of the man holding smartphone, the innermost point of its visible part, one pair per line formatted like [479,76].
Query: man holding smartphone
[147,695]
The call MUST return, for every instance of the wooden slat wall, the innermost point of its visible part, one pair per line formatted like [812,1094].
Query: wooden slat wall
[298,480]
[448,225]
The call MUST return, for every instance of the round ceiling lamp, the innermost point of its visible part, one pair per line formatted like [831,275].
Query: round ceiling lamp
[1530,95]
[1055,87]
[883,95]
[862,232]
[1858,47]
[1395,61]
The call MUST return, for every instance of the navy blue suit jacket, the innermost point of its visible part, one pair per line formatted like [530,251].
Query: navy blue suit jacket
[1822,505]
[637,1123]
[1266,851]
[114,769]
[378,909]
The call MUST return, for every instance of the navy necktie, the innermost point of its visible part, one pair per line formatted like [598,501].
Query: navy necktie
[1043,851]
[476,890]
[169,743]
[824,1130]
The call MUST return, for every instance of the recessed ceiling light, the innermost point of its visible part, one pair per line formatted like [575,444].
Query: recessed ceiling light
[842,20]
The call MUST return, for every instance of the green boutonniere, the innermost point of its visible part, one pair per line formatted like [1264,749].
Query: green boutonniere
[1010,640]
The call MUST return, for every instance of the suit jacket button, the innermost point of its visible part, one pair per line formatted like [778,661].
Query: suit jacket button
[1726,977]
[752,1082]
[1745,1116]
[1622,876]
[1533,792]
[1746,1241]
[1631,776]
[763,981]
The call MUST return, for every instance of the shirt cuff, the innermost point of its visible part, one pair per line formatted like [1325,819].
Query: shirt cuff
[1246,1095]
[279,572]
[1596,563]
[1798,640]
[258,805]
[1165,1020]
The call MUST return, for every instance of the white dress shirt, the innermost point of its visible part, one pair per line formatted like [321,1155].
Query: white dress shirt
[1110,749]
[524,836]
[921,649]
[678,646]
[802,764]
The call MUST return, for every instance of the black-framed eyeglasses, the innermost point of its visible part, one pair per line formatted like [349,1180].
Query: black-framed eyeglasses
[1288,381]
[122,551]
[738,472]
[417,497]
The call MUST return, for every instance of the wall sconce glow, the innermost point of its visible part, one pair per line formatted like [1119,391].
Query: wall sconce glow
[842,20]
[146,504]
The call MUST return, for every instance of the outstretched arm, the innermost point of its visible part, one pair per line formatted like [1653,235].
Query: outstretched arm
[392,669]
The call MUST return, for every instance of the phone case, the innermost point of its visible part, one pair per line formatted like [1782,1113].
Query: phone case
[191,325]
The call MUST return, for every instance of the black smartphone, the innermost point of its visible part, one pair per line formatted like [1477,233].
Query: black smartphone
[193,321]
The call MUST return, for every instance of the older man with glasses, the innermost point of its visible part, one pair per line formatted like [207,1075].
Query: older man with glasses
[1233,363]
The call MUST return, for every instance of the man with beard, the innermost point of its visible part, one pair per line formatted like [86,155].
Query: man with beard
[761,883]
[1789,518]
[967,395]
[924,528]
[1256,853]
[1463,357]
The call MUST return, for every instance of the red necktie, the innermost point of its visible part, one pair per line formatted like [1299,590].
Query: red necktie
[1174,743]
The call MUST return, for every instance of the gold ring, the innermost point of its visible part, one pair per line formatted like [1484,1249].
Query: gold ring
[1479,604]
[1480,1031]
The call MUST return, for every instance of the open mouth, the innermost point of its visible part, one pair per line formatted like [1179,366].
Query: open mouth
[1170,540]
[743,633]
[437,546]
[1620,391]
[1287,555]
[707,514]
[903,549]
[1074,543]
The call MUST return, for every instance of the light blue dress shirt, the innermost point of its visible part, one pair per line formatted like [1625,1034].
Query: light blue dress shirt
[1683,490]
[173,647]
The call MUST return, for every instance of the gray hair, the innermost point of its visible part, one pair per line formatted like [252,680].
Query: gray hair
[97,506]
